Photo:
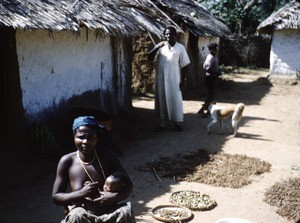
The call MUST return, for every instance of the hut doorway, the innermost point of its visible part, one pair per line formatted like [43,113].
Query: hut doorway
[194,80]
[11,95]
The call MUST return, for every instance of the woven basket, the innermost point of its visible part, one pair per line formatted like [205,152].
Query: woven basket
[175,219]
[192,200]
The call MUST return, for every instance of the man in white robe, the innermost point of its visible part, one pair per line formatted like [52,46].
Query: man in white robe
[172,66]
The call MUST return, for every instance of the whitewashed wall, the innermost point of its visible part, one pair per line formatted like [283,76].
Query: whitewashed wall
[285,53]
[59,67]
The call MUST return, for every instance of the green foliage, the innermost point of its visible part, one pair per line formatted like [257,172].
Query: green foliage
[242,16]
[43,141]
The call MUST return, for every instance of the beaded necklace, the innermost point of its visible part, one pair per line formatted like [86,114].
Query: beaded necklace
[85,163]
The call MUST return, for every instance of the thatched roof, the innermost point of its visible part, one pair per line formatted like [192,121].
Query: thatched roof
[288,17]
[114,17]
[194,16]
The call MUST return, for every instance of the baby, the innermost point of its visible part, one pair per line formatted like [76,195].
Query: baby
[115,182]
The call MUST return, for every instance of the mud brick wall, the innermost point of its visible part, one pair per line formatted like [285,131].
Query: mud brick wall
[143,71]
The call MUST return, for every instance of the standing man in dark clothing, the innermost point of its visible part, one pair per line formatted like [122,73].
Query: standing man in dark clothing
[211,66]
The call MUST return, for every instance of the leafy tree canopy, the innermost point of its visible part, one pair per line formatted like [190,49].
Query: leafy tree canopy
[242,16]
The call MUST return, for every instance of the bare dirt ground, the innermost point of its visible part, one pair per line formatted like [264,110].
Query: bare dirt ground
[269,131]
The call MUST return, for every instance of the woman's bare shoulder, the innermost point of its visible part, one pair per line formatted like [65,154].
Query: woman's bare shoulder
[68,157]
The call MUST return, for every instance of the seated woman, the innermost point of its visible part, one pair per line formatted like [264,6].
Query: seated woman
[87,202]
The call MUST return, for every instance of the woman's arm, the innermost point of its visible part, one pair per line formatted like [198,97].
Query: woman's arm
[60,195]
[108,198]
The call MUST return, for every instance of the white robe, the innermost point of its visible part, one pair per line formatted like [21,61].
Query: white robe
[168,103]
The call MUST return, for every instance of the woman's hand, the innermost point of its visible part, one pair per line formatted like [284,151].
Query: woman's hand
[90,189]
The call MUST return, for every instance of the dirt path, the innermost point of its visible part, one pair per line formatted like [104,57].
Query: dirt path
[269,131]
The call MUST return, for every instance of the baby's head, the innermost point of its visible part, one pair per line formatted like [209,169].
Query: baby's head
[116,182]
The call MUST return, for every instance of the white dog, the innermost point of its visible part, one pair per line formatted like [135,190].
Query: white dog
[221,113]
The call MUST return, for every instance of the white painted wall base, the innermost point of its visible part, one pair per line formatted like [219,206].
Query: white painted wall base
[59,67]
[285,53]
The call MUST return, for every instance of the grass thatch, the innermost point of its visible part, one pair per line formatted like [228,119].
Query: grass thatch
[117,17]
[288,17]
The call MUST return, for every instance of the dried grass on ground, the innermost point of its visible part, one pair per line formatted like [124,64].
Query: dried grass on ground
[218,169]
[286,196]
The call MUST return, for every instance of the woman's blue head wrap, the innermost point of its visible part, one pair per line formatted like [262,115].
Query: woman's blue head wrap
[85,121]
